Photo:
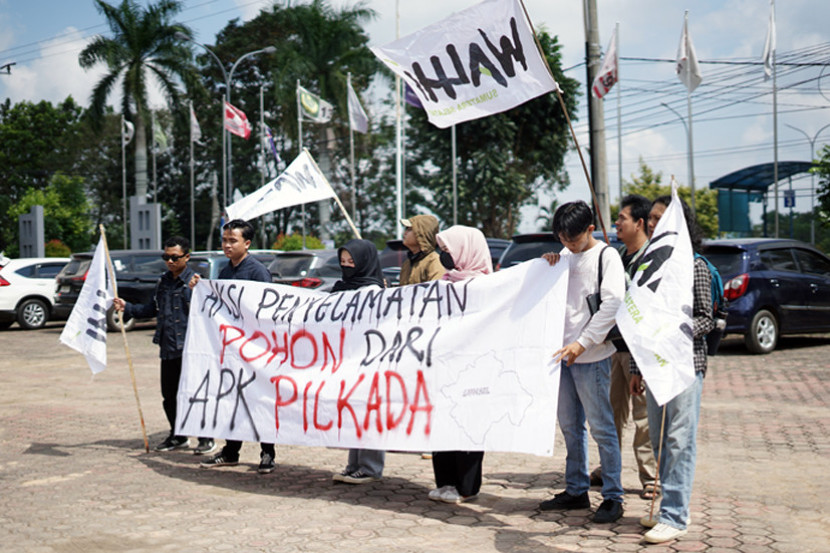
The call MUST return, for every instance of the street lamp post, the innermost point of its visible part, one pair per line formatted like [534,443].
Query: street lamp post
[812,142]
[226,146]
[266,50]
[689,154]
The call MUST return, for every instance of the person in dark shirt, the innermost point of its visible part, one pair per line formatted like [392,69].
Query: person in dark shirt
[236,240]
[170,306]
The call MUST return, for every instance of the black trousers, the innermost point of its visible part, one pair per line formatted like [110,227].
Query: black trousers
[461,469]
[171,372]
[232,447]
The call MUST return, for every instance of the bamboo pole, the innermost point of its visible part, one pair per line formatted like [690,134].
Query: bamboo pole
[111,272]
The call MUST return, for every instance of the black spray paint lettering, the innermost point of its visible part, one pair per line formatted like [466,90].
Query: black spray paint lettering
[97,329]
[237,388]
[227,296]
[505,54]
[377,350]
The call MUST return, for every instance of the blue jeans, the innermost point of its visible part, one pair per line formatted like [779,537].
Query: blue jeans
[584,394]
[368,461]
[677,464]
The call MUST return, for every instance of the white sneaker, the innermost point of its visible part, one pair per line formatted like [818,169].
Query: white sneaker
[435,494]
[652,522]
[662,533]
[451,495]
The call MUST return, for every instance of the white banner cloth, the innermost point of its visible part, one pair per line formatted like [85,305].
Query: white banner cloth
[477,62]
[300,183]
[655,318]
[86,329]
[426,367]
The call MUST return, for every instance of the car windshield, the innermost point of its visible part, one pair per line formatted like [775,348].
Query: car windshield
[729,261]
[291,265]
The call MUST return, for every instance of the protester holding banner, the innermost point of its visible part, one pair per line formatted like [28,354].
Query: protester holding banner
[422,263]
[236,240]
[632,231]
[682,412]
[596,285]
[465,254]
[360,265]
[170,306]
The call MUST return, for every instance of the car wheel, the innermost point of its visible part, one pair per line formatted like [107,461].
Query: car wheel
[32,314]
[112,322]
[763,333]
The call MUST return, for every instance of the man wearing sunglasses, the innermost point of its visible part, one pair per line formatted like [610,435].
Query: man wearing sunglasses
[170,306]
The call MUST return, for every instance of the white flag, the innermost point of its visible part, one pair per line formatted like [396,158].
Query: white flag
[688,70]
[312,107]
[655,318]
[607,76]
[127,131]
[769,43]
[86,329]
[358,120]
[477,62]
[195,129]
[301,182]
[236,122]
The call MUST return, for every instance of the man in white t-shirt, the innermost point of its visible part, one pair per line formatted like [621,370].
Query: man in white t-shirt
[596,286]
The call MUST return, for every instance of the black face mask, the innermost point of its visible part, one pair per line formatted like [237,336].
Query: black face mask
[348,272]
[446,260]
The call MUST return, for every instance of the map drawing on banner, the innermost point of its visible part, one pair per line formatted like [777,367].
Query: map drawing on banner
[300,183]
[477,62]
[428,367]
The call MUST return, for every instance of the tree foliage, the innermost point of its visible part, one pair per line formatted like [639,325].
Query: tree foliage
[502,160]
[822,169]
[649,184]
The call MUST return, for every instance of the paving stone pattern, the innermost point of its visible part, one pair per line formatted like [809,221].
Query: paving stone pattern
[74,476]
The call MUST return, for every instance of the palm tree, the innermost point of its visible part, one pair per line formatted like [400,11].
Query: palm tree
[142,44]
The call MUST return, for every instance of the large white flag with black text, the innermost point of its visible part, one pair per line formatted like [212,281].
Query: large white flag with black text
[86,329]
[655,317]
[477,62]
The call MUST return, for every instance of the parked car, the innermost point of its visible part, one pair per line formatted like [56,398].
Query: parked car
[209,263]
[317,269]
[27,288]
[497,247]
[136,274]
[773,287]
[524,247]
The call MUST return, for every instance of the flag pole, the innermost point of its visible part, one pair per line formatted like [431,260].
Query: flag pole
[657,471]
[570,126]
[111,273]
[336,198]
[124,181]
[351,152]
[454,179]
[192,207]
[300,141]
[619,113]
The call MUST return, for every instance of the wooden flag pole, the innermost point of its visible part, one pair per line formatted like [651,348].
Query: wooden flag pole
[570,126]
[111,272]
[336,198]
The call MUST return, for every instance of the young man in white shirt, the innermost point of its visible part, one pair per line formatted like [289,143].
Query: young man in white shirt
[586,362]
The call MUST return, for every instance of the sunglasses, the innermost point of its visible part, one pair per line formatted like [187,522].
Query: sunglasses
[172,258]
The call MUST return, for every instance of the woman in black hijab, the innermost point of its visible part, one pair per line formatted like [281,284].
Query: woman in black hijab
[361,268]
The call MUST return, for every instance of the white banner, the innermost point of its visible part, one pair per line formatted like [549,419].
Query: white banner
[427,367]
[655,318]
[477,62]
[86,329]
[300,183]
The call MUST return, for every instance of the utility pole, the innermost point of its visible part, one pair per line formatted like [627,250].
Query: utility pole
[596,117]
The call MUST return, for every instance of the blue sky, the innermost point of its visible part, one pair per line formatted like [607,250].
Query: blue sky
[44,37]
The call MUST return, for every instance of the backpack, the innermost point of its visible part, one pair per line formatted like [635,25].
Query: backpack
[718,308]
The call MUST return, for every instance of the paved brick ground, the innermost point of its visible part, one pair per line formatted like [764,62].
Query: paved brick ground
[74,476]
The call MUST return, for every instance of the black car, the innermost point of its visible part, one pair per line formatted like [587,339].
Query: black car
[524,247]
[136,274]
[316,269]
[773,287]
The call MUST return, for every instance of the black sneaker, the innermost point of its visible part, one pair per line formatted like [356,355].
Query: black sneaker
[172,442]
[608,511]
[266,464]
[206,445]
[218,461]
[564,501]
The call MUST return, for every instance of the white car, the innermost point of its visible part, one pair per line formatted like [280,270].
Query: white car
[27,290]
